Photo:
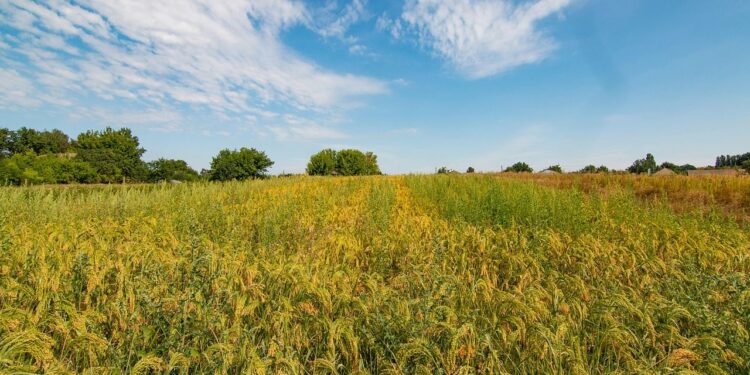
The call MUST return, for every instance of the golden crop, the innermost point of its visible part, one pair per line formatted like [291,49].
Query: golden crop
[407,274]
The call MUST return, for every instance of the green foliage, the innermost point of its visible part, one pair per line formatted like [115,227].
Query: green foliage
[680,169]
[347,162]
[470,170]
[588,169]
[746,165]
[728,161]
[351,162]
[519,167]
[239,165]
[115,154]
[445,170]
[29,168]
[170,169]
[5,142]
[593,169]
[323,163]
[555,168]
[30,140]
[647,165]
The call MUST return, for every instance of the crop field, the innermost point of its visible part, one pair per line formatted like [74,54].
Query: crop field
[438,274]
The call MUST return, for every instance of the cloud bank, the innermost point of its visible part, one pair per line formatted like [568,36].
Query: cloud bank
[225,56]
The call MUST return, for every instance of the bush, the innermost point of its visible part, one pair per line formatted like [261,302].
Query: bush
[239,165]
[470,170]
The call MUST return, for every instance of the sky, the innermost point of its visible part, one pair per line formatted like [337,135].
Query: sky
[422,83]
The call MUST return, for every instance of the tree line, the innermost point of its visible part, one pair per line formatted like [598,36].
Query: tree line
[640,166]
[29,156]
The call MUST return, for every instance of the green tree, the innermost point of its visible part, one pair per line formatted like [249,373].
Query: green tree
[115,154]
[555,168]
[323,163]
[519,167]
[239,165]
[602,169]
[588,169]
[344,163]
[170,169]
[29,168]
[470,170]
[445,170]
[647,165]
[746,165]
[39,142]
[5,142]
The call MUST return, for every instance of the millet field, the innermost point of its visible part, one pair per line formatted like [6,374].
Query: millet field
[432,274]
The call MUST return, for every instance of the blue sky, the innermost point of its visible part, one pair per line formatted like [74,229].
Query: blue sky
[422,83]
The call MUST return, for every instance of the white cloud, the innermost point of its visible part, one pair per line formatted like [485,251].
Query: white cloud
[304,132]
[352,13]
[16,91]
[481,37]
[226,56]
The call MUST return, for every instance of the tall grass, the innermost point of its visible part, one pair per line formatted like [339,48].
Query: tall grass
[416,274]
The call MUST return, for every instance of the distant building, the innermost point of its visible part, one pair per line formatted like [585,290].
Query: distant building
[714,172]
[665,172]
[548,171]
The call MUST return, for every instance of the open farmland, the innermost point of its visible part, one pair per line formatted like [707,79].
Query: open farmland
[449,274]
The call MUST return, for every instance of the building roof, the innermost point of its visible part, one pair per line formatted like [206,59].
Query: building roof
[665,172]
[714,172]
[548,171]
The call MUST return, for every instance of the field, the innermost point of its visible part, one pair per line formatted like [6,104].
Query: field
[447,274]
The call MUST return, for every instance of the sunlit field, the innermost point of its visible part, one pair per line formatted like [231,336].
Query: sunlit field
[447,274]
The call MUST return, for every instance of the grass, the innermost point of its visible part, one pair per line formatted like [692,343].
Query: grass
[405,274]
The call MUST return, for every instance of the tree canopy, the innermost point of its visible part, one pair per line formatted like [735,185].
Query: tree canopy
[647,165]
[242,164]
[728,161]
[29,168]
[115,154]
[323,163]
[347,162]
[519,167]
[170,169]
[30,140]
[555,168]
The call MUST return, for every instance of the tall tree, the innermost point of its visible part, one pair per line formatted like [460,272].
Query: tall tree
[643,165]
[239,165]
[115,154]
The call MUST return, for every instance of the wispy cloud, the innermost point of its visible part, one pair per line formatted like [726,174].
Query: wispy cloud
[224,56]
[480,38]
[16,90]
